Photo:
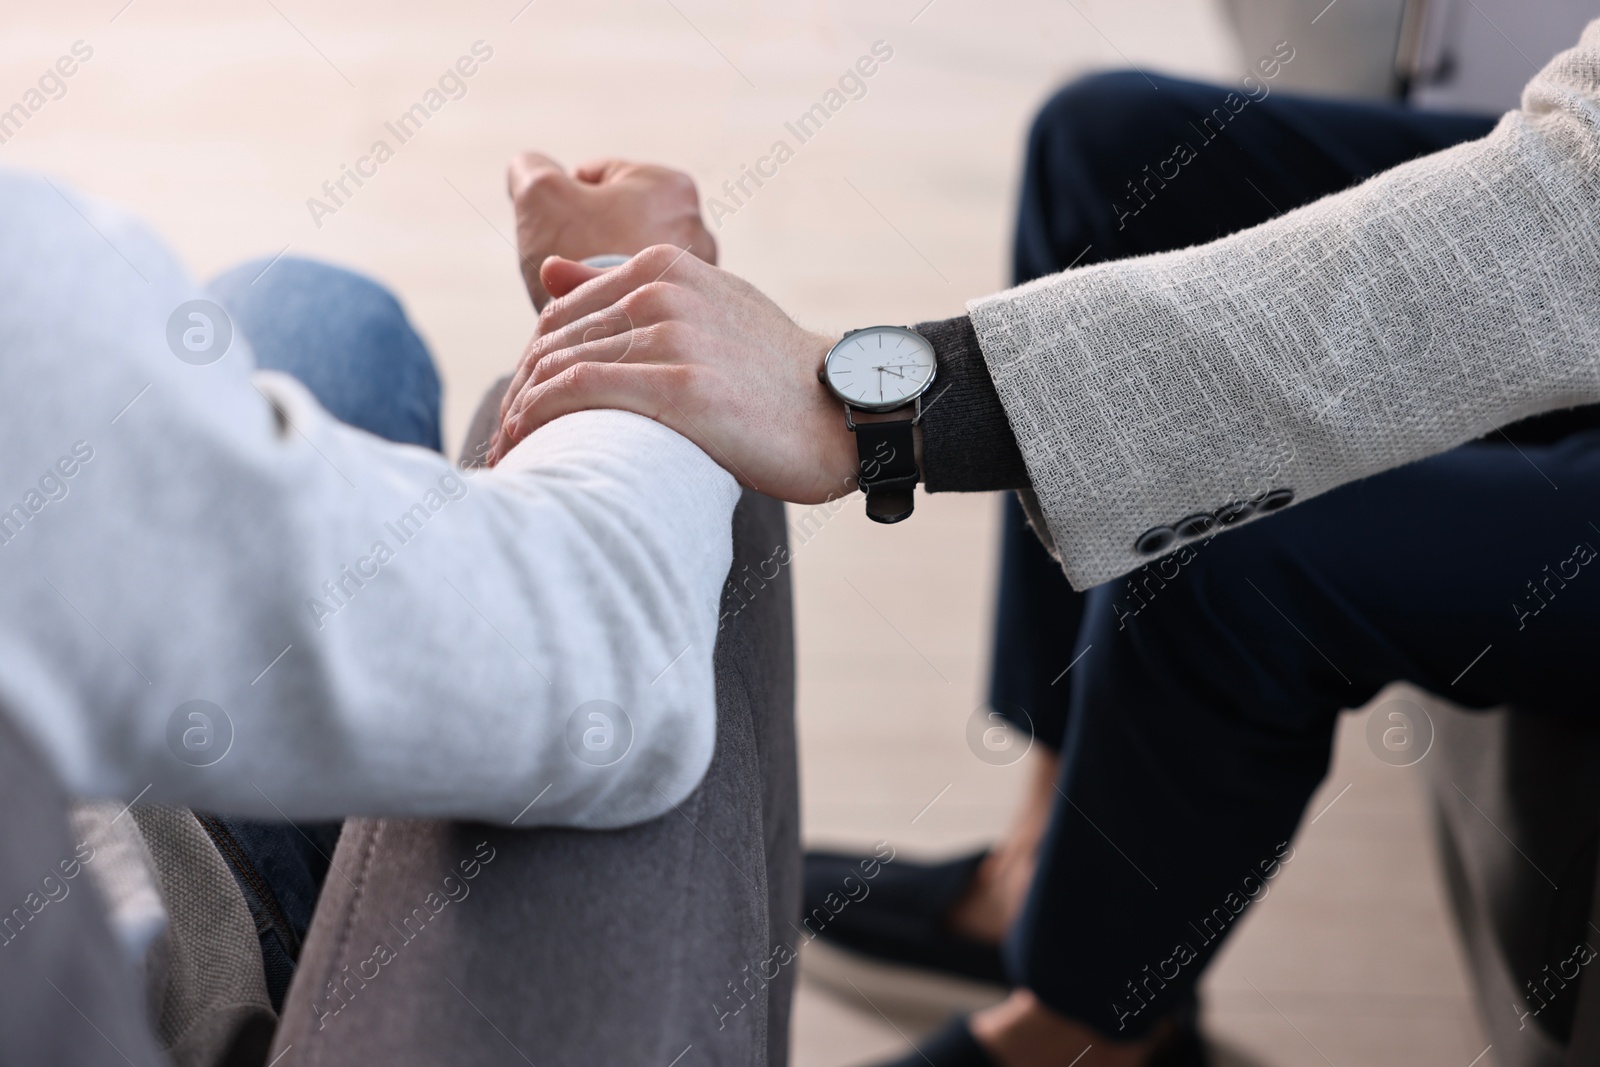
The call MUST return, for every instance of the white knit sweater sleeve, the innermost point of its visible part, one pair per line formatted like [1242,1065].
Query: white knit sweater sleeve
[370,630]
[1421,309]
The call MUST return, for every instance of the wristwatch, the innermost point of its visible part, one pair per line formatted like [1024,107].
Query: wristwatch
[882,372]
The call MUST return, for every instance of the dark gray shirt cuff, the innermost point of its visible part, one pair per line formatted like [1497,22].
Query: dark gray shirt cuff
[967,442]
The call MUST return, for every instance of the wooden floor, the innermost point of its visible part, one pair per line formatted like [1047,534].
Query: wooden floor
[217,123]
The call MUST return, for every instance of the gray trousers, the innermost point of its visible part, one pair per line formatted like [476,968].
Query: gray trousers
[666,943]
[67,994]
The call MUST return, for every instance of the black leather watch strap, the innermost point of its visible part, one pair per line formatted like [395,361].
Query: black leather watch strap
[888,474]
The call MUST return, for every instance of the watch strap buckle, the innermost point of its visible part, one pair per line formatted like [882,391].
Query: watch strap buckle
[888,504]
[888,473]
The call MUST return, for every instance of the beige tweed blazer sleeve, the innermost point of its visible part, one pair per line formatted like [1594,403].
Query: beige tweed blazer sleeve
[1421,309]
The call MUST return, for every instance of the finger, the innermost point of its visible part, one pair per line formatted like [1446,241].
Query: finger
[640,388]
[525,365]
[528,170]
[625,346]
[597,171]
[650,265]
[560,276]
[565,275]
[648,320]
[586,334]
[492,453]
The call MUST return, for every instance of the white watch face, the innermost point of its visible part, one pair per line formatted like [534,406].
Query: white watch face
[880,368]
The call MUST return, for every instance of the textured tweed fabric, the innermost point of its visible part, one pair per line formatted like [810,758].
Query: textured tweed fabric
[1421,309]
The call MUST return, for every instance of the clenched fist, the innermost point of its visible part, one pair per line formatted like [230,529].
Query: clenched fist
[602,207]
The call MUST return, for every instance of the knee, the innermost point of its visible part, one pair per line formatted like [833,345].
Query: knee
[258,293]
[1209,579]
[1103,120]
[344,336]
[1238,622]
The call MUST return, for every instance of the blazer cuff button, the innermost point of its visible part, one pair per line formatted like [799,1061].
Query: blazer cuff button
[1278,498]
[1156,539]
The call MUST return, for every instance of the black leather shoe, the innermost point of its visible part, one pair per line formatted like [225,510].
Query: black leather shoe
[954,1046]
[1180,1044]
[902,916]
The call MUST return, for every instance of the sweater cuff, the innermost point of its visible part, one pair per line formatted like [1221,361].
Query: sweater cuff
[967,442]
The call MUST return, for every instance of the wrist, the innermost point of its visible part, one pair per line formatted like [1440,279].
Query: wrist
[878,376]
[840,465]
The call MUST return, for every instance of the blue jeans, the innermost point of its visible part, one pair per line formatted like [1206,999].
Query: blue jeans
[347,339]
[1199,718]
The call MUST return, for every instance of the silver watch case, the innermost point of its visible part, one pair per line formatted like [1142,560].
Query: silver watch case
[849,405]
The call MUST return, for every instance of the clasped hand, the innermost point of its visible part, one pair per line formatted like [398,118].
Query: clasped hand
[669,336]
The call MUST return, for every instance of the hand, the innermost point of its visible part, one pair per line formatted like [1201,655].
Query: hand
[603,207]
[679,341]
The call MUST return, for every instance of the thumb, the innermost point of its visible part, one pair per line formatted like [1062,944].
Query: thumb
[561,276]
[527,167]
[598,171]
